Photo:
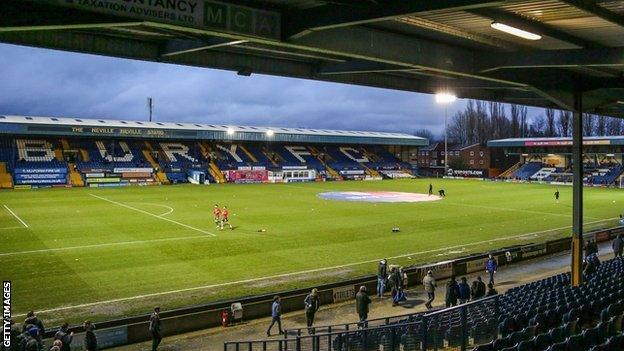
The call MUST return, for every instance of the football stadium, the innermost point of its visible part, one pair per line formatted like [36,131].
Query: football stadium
[504,233]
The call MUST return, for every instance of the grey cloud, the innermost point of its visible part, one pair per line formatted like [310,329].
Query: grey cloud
[54,83]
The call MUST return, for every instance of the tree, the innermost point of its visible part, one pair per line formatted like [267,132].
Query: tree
[601,125]
[424,133]
[614,126]
[588,124]
[563,123]
[538,127]
[549,128]
[515,128]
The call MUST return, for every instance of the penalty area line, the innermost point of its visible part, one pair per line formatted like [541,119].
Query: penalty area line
[153,215]
[16,216]
[285,275]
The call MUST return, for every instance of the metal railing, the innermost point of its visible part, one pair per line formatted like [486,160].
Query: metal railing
[455,328]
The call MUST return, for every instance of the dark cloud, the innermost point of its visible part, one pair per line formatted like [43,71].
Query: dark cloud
[52,83]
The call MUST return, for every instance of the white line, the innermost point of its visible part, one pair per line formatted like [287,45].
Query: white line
[19,219]
[284,275]
[158,205]
[513,210]
[153,215]
[100,245]
[8,228]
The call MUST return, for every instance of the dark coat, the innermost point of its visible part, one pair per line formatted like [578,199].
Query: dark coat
[452,291]
[33,321]
[396,281]
[618,244]
[382,271]
[90,341]
[464,291]
[478,289]
[312,303]
[65,338]
[361,302]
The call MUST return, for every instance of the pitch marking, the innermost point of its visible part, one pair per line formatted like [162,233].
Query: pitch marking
[99,245]
[284,275]
[14,215]
[153,215]
[513,210]
[158,205]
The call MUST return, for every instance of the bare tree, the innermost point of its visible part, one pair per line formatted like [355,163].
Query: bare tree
[614,126]
[549,128]
[538,127]
[601,125]
[424,133]
[563,123]
[515,128]
[588,124]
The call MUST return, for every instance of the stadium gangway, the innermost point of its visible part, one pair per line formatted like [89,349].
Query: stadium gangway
[331,328]
[428,333]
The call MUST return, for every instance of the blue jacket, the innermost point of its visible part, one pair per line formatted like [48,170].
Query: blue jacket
[464,291]
[491,265]
[276,309]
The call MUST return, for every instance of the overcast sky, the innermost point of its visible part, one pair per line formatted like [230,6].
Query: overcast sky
[42,82]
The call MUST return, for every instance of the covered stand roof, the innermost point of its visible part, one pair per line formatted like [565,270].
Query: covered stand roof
[555,142]
[422,46]
[65,126]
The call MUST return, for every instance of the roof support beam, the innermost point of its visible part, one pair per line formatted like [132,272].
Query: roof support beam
[359,66]
[182,46]
[530,25]
[331,16]
[597,10]
[600,57]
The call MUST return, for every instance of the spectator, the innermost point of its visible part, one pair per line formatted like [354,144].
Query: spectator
[31,341]
[31,319]
[55,348]
[382,273]
[312,304]
[276,315]
[58,344]
[430,286]
[90,340]
[490,290]
[452,292]
[491,266]
[65,336]
[478,289]
[396,281]
[590,268]
[464,291]
[361,303]
[14,337]
[617,245]
[155,328]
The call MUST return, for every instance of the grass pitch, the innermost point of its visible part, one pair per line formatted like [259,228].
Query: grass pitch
[105,253]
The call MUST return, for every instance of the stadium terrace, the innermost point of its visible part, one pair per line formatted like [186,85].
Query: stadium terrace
[49,151]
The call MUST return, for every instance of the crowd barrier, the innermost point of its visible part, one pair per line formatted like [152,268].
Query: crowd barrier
[135,329]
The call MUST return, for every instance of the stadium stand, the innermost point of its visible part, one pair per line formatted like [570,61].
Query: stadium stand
[546,315]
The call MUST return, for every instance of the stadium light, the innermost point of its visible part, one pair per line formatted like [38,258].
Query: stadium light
[230,131]
[445,98]
[269,133]
[515,31]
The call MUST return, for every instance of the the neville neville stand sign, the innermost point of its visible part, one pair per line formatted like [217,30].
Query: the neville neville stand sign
[209,15]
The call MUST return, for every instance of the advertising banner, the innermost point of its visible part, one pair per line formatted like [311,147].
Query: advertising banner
[467,173]
[344,293]
[23,176]
[136,175]
[104,180]
[249,176]
[132,170]
[533,250]
[40,170]
[94,175]
[40,181]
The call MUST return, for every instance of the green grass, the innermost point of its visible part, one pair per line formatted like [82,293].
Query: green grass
[303,232]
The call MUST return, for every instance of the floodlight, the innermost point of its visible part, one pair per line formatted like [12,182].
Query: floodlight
[270,133]
[515,31]
[230,131]
[445,97]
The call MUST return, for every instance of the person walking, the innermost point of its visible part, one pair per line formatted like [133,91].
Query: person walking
[618,246]
[382,274]
[90,340]
[312,304]
[464,291]
[452,292]
[396,281]
[477,290]
[362,302]
[491,266]
[430,286]
[430,189]
[65,336]
[276,315]
[155,328]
